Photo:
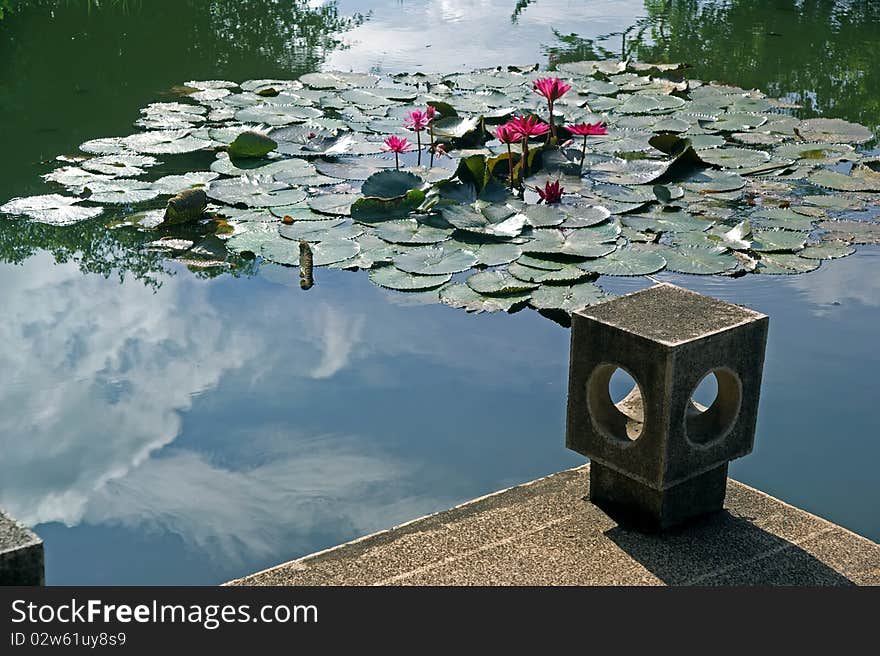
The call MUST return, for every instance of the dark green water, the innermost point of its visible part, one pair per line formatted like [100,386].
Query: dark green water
[192,430]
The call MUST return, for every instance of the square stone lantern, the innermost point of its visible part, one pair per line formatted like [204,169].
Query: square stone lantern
[659,459]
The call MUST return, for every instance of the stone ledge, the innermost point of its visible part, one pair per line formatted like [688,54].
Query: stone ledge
[546,533]
[21,554]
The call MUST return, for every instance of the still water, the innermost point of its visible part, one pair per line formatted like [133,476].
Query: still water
[160,427]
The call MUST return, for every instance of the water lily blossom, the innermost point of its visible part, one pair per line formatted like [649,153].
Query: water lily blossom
[527,127]
[508,135]
[431,113]
[552,88]
[551,193]
[587,130]
[417,121]
[396,145]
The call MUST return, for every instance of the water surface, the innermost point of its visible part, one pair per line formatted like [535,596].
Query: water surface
[172,428]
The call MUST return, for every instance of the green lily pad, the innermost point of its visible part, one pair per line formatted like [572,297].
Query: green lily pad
[315,231]
[567,299]
[498,282]
[853,232]
[165,142]
[122,191]
[174,184]
[827,251]
[859,179]
[359,168]
[627,262]
[393,278]
[815,153]
[488,253]
[251,193]
[702,261]
[461,296]
[53,209]
[374,210]
[585,216]
[337,204]
[411,232]
[773,241]
[734,158]
[122,166]
[251,144]
[252,238]
[566,273]
[833,130]
[435,260]
[542,216]
[389,184]
[276,114]
[785,264]
[332,251]
[465,217]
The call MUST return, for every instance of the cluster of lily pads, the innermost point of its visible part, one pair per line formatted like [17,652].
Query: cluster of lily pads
[686,176]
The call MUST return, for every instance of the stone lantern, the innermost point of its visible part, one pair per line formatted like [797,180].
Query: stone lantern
[659,459]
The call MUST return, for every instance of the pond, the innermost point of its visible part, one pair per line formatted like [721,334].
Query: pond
[160,426]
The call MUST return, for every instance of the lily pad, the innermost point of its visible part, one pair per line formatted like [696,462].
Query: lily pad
[251,193]
[827,251]
[773,241]
[833,130]
[411,232]
[627,262]
[567,299]
[498,282]
[389,184]
[702,261]
[53,209]
[785,264]
[122,191]
[337,204]
[165,142]
[393,278]
[123,166]
[566,273]
[435,260]
[174,184]
[461,296]
[360,168]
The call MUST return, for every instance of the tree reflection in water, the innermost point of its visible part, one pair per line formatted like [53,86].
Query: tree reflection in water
[819,53]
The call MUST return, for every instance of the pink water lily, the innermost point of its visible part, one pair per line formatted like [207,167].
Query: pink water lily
[587,130]
[396,145]
[507,134]
[552,88]
[551,193]
[526,127]
[417,121]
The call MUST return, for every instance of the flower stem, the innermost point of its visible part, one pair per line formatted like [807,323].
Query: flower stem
[510,164]
[552,134]
[525,163]
[396,161]
[431,149]
[583,154]
[419,142]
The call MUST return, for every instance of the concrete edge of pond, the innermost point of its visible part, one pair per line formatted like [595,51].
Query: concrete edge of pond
[21,553]
[545,532]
